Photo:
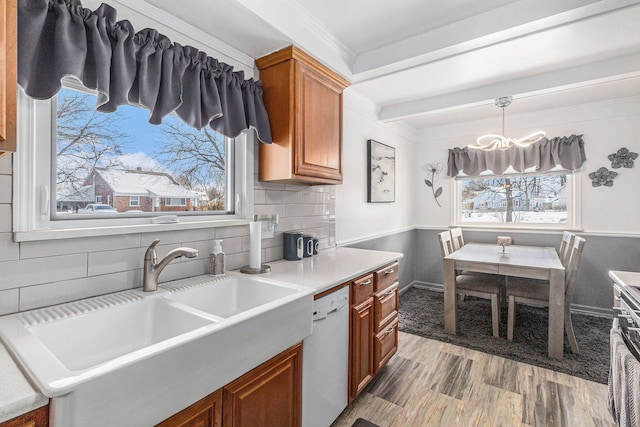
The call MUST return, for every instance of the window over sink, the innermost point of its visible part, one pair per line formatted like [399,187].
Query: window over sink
[77,156]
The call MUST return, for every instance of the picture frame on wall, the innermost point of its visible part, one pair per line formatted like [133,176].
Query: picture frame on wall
[381,175]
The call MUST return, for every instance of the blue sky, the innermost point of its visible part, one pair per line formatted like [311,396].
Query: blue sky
[144,137]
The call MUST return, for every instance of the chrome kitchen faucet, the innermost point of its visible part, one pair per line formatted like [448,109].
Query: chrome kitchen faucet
[152,268]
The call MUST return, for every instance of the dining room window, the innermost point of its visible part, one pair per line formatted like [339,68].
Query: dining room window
[522,200]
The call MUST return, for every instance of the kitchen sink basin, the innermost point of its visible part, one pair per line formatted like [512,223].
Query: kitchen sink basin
[230,296]
[138,357]
[83,341]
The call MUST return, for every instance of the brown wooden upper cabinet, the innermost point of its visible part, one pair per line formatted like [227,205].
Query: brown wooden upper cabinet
[8,81]
[304,102]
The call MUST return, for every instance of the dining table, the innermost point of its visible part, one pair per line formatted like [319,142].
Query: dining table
[535,262]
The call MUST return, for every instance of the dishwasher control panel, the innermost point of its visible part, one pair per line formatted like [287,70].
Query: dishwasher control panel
[326,305]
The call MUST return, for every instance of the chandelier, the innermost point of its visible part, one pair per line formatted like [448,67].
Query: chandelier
[492,142]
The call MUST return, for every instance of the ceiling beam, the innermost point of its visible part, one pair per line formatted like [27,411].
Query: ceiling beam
[551,81]
[514,20]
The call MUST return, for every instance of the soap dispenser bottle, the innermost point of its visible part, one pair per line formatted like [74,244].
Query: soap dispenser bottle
[216,259]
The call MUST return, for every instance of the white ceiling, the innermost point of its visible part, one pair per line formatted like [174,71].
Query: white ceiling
[433,62]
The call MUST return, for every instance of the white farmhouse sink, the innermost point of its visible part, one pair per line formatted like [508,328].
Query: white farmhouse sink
[82,341]
[136,358]
[230,296]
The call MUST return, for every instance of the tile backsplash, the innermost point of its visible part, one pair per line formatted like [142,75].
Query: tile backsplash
[38,274]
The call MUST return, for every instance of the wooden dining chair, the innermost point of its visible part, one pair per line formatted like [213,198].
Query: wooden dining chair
[488,286]
[456,238]
[536,293]
[565,247]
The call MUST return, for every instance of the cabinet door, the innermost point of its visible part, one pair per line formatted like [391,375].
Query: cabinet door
[206,412]
[269,395]
[8,82]
[319,125]
[361,369]
[385,344]
[36,418]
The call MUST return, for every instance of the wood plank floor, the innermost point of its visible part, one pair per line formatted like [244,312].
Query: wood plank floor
[431,383]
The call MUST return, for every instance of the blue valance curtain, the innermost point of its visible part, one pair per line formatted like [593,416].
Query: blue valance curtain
[544,155]
[58,38]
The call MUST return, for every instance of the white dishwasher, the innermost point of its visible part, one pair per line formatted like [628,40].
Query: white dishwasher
[325,361]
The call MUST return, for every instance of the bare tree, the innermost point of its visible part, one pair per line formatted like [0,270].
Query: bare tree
[85,138]
[198,157]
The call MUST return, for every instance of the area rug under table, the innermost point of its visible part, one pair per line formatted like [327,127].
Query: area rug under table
[421,312]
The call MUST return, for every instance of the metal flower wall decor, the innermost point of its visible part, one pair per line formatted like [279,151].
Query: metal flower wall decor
[623,158]
[433,169]
[602,176]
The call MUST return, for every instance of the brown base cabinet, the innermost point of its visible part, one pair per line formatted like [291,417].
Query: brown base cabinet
[269,395]
[36,418]
[373,331]
[361,346]
[206,412]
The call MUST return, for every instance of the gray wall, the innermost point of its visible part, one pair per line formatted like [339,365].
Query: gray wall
[400,242]
[422,263]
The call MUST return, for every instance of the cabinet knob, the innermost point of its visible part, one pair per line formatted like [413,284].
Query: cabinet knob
[365,283]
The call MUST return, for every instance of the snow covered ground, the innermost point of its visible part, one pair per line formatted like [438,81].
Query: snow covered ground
[550,217]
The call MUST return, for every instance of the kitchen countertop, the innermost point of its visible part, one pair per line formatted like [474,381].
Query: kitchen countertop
[330,267]
[17,396]
[321,272]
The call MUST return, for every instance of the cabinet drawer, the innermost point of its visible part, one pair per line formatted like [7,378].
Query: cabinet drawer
[386,306]
[386,277]
[385,345]
[361,289]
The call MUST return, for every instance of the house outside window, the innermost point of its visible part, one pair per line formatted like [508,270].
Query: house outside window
[98,199]
[134,201]
[522,200]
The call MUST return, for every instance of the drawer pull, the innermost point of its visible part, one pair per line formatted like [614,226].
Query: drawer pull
[389,293]
[365,283]
[387,332]
[389,271]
